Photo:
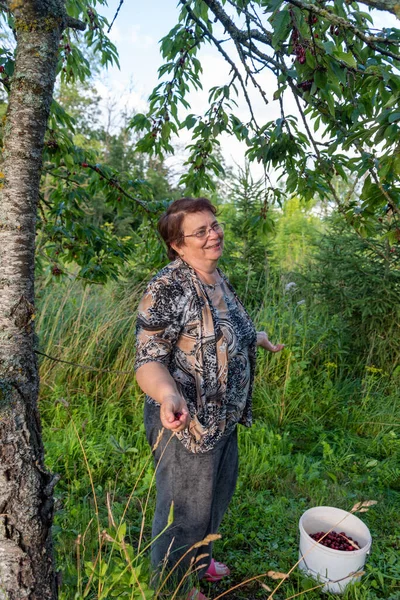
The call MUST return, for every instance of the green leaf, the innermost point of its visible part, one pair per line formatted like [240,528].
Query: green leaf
[271,5]
[320,79]
[329,47]
[281,25]
[170,519]
[331,104]
[190,121]
[69,161]
[121,532]
[365,15]
[346,57]
[140,122]
[394,117]
[278,93]
[9,68]
[310,60]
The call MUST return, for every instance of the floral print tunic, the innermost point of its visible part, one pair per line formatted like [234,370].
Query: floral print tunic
[206,339]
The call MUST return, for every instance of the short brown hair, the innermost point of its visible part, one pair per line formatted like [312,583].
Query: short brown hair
[170,224]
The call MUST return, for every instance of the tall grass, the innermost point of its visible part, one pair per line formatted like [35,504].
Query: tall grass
[93,327]
[319,437]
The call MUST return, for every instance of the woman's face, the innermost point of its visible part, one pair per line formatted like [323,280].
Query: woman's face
[202,250]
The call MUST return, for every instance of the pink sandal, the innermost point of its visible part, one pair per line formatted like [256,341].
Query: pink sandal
[216,571]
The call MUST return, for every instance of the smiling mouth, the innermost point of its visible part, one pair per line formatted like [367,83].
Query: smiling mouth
[217,245]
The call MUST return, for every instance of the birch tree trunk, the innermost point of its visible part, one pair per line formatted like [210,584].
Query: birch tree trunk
[26,505]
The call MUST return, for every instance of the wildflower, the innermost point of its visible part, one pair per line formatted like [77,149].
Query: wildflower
[289,286]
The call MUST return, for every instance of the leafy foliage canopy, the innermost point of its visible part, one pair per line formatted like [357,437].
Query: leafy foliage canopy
[342,73]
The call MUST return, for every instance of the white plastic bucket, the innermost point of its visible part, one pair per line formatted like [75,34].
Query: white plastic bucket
[335,567]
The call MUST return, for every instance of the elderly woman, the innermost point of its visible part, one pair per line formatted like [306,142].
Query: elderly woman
[195,361]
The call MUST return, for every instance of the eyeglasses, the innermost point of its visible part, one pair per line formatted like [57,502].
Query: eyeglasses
[204,232]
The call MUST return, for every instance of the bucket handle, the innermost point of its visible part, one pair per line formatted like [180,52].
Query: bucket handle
[317,575]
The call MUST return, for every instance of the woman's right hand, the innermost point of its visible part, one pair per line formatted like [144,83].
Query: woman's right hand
[156,381]
[174,413]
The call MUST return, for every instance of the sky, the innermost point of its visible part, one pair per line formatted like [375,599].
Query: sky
[137,31]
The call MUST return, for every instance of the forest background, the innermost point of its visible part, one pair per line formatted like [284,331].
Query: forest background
[326,409]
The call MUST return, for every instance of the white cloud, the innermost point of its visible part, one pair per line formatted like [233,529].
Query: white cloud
[137,37]
[116,35]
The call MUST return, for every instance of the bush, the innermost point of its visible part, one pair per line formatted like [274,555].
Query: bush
[358,281]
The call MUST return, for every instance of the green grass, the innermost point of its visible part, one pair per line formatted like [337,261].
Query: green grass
[320,437]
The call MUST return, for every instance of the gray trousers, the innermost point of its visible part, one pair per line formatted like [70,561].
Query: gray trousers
[201,487]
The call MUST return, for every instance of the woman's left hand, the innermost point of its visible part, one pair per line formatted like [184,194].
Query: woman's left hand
[263,342]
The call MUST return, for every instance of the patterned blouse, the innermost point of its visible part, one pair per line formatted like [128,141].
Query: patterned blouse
[206,339]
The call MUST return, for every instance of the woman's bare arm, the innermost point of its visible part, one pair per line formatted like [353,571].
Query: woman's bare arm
[263,342]
[155,381]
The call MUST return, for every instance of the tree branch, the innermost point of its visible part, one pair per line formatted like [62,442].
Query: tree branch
[390,201]
[249,73]
[296,97]
[41,208]
[235,32]
[72,23]
[117,186]
[111,181]
[254,18]
[359,147]
[391,6]
[340,206]
[239,36]
[51,172]
[370,40]
[224,54]
[116,15]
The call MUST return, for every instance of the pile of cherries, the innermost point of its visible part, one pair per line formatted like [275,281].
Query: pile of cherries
[336,541]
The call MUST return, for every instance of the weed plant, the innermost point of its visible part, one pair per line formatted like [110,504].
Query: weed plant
[357,280]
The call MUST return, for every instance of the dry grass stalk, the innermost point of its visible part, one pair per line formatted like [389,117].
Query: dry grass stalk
[191,570]
[320,585]
[356,546]
[96,507]
[238,585]
[363,506]
[209,538]
[277,575]
[152,482]
[134,487]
